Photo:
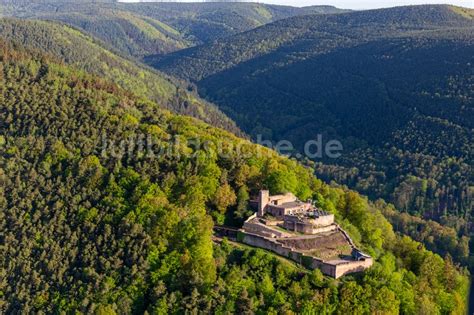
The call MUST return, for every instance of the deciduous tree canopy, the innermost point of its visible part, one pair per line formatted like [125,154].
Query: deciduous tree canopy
[88,229]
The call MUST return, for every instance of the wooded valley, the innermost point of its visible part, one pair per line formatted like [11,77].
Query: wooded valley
[126,135]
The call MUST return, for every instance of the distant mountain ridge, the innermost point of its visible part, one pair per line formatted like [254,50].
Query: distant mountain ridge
[292,32]
[141,29]
[394,85]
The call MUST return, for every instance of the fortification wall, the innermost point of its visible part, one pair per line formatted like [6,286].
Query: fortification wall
[251,227]
[327,269]
[324,229]
[331,269]
[307,228]
[324,220]
[269,244]
[352,266]
[253,236]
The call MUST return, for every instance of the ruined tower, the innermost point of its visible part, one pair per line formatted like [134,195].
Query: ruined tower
[263,199]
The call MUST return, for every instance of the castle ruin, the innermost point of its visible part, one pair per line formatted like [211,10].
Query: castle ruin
[300,231]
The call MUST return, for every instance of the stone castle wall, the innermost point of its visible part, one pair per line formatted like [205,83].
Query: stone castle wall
[352,266]
[331,269]
[323,220]
[308,228]
[257,228]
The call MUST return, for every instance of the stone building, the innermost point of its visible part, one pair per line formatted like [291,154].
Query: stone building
[303,233]
[308,224]
[280,205]
[297,215]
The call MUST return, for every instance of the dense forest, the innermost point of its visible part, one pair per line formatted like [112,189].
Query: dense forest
[108,196]
[156,29]
[89,55]
[395,86]
[94,220]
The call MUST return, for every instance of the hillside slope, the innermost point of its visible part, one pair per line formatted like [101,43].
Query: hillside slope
[91,225]
[204,22]
[302,37]
[89,55]
[395,86]
[156,28]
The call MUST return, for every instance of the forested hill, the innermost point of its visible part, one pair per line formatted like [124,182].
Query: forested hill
[301,37]
[156,28]
[94,221]
[394,85]
[89,55]
[205,22]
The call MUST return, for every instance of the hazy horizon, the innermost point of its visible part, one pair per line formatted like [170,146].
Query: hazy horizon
[355,5]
